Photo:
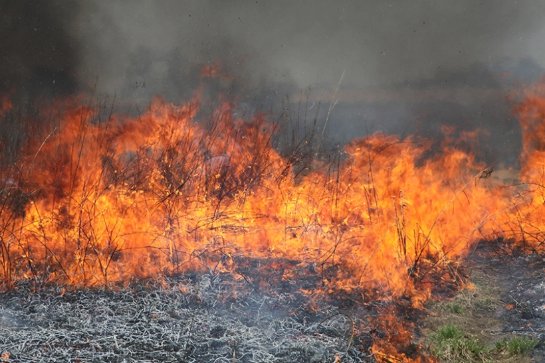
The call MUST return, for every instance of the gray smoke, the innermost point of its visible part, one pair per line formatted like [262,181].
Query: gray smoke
[308,42]
[408,66]
[38,56]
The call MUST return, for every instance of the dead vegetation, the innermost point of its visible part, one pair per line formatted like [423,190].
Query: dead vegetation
[98,202]
[199,318]
[94,199]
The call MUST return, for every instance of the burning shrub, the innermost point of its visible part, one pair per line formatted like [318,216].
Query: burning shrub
[121,198]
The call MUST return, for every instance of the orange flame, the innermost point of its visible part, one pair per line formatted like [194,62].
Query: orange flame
[525,223]
[107,201]
[93,202]
[5,105]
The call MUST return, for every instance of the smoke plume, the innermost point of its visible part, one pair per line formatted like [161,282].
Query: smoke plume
[39,54]
[390,66]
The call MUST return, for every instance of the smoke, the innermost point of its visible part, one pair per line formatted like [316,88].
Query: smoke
[38,62]
[479,97]
[408,66]
[310,43]
[140,49]
[38,55]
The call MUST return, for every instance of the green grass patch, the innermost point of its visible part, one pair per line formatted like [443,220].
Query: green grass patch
[454,307]
[452,344]
[469,327]
[519,345]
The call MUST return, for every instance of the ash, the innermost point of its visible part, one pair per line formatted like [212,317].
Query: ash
[204,317]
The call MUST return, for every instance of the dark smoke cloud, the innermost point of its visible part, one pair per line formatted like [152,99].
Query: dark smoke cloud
[408,66]
[38,62]
[38,55]
[309,42]
[140,49]
[476,97]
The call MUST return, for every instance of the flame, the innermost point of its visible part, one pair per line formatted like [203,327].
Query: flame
[525,221]
[394,343]
[108,201]
[91,202]
[5,105]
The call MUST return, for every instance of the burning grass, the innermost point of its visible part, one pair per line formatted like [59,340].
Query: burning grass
[93,200]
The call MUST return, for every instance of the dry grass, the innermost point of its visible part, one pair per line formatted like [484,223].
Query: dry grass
[204,318]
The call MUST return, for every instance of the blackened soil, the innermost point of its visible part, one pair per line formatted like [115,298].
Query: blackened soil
[519,277]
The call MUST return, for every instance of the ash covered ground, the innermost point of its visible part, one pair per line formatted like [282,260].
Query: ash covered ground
[205,317]
[252,315]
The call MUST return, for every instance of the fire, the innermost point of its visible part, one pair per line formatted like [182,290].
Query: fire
[92,202]
[97,202]
[525,222]
[393,339]
[5,105]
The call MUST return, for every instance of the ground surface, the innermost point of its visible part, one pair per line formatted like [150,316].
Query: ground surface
[503,305]
[256,316]
[206,317]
